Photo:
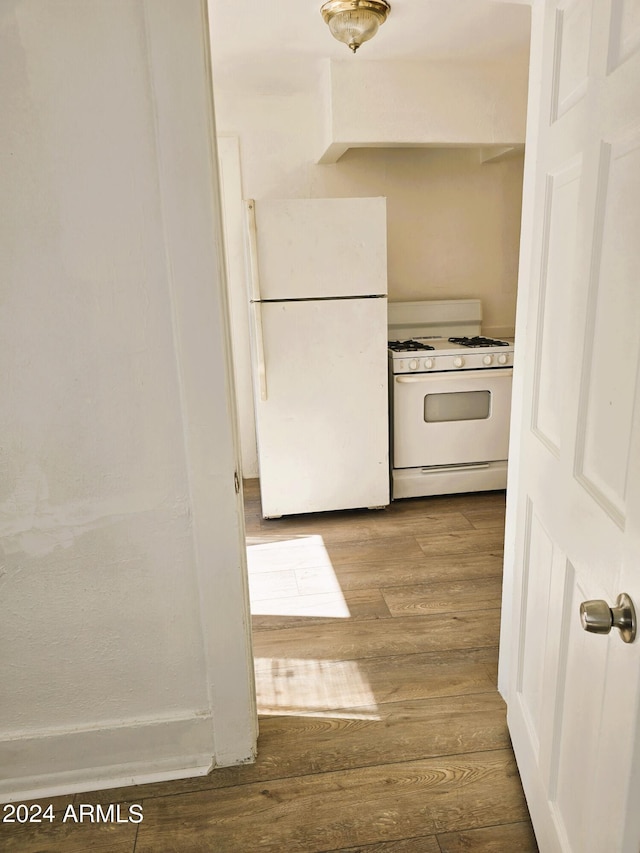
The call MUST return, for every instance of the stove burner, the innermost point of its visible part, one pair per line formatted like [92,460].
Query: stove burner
[410,346]
[478,341]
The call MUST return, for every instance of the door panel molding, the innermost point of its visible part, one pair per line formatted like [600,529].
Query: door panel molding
[571,59]
[562,190]
[537,562]
[605,412]
[624,32]
[566,580]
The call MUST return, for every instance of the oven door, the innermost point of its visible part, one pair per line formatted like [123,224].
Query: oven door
[451,418]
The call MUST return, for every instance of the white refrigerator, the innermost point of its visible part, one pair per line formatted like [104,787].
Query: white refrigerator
[318,305]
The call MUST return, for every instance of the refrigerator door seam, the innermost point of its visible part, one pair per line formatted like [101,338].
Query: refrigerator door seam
[322,298]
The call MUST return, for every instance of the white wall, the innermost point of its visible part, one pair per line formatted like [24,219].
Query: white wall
[453,221]
[125,648]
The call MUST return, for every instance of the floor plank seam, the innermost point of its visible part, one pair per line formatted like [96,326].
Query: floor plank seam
[438,651]
[318,773]
[385,586]
[262,715]
[356,621]
[444,612]
[448,582]
[135,837]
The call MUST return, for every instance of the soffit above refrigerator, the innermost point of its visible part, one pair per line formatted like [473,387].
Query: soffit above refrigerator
[425,104]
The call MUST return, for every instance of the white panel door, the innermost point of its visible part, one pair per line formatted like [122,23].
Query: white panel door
[323,425]
[321,247]
[573,525]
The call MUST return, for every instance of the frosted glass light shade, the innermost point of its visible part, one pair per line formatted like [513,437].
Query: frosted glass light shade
[354,21]
[353,28]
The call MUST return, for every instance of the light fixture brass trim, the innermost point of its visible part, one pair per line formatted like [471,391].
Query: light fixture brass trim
[348,25]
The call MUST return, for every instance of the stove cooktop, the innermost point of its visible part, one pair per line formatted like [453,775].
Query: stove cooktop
[409,346]
[445,345]
[454,353]
[450,330]
[478,341]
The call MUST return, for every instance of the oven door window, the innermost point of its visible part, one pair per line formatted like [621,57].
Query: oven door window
[457,406]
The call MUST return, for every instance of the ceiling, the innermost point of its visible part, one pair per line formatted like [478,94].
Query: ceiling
[277,46]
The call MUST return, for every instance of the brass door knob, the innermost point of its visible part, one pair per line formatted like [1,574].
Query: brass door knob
[598,618]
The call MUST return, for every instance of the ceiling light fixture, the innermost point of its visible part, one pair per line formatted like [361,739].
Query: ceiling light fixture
[355,21]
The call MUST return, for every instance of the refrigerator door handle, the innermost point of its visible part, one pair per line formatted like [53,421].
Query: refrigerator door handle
[254,295]
[261,368]
[252,248]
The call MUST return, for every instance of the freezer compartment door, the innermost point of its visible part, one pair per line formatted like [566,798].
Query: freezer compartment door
[319,248]
[323,429]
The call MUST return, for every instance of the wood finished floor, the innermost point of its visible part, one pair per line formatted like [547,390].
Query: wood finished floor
[381,729]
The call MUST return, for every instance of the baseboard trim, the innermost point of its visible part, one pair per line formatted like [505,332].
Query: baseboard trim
[70,762]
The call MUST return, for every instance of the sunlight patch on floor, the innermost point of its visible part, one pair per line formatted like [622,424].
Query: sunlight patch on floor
[300,686]
[294,577]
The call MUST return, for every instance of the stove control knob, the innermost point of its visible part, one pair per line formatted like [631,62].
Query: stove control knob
[428,363]
[458,361]
[413,364]
[487,359]
[503,359]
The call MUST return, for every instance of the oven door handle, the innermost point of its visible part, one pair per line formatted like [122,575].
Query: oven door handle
[446,374]
[423,377]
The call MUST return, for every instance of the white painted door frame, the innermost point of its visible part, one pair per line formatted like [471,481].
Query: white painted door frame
[194,233]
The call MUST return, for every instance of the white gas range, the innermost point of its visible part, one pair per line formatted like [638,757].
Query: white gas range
[450,399]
